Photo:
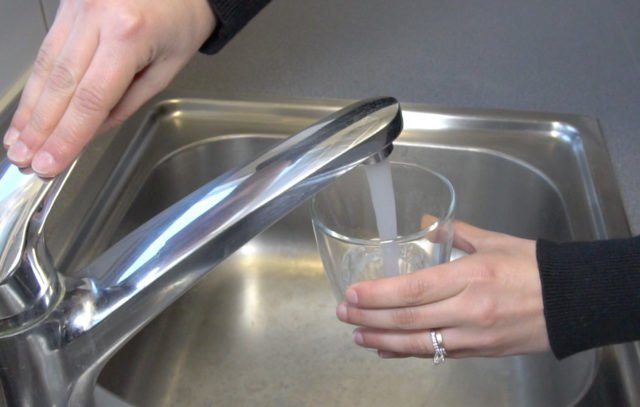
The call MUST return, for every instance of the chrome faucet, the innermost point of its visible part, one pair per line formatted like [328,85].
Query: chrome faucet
[57,330]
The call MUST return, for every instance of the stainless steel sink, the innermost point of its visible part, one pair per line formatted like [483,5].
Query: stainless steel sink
[260,328]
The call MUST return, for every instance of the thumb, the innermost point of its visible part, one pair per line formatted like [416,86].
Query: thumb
[467,237]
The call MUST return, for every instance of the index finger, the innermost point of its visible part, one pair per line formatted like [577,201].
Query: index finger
[109,75]
[421,287]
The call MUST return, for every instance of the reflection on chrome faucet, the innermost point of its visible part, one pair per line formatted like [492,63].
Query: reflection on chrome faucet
[57,331]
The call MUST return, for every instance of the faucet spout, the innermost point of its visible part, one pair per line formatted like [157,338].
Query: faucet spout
[379,156]
[112,298]
[208,225]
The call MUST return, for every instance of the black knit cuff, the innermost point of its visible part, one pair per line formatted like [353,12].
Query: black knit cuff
[591,293]
[231,17]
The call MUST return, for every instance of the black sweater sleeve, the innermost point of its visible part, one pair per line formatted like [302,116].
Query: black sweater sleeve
[231,17]
[591,293]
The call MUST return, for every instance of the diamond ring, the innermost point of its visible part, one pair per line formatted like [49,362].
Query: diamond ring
[439,353]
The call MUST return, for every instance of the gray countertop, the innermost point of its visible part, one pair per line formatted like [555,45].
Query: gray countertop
[571,56]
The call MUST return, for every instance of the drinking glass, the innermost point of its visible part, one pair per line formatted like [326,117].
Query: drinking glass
[382,220]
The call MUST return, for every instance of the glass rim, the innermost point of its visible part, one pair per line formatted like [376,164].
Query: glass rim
[419,234]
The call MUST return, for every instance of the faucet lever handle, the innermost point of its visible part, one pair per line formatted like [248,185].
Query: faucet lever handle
[21,193]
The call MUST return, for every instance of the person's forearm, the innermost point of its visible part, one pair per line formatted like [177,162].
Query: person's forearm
[231,16]
[591,293]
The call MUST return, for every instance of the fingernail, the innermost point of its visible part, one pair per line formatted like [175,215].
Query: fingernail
[10,136]
[341,312]
[19,152]
[357,337]
[43,163]
[351,296]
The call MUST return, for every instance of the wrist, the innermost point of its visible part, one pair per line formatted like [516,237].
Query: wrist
[590,292]
[230,17]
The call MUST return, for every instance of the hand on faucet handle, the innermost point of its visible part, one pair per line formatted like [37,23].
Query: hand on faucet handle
[98,64]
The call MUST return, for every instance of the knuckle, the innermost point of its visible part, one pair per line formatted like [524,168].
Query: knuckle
[90,100]
[88,6]
[61,79]
[128,23]
[486,313]
[413,290]
[416,345]
[122,21]
[405,317]
[43,61]
[38,124]
[480,276]
[485,272]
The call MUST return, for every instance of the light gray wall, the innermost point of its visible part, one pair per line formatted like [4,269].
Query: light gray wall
[49,8]
[571,56]
[22,29]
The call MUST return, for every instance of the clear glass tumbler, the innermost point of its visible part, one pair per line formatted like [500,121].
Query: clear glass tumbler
[363,238]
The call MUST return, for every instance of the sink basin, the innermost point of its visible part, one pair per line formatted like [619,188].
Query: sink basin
[260,328]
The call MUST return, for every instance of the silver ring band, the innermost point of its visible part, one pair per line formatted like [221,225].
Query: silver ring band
[439,352]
